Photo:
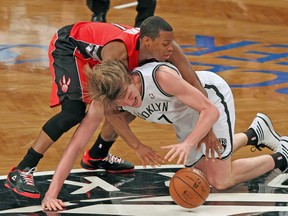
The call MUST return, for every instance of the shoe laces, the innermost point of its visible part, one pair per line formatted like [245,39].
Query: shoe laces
[113,159]
[259,147]
[27,176]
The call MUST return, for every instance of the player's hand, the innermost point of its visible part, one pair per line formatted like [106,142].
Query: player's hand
[212,145]
[180,150]
[50,203]
[148,156]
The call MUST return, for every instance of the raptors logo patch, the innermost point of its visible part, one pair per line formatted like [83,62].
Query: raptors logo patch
[64,83]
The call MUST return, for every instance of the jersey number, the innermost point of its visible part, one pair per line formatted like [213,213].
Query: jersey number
[165,117]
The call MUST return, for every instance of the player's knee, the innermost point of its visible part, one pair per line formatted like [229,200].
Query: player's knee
[219,183]
[68,120]
[61,123]
[72,113]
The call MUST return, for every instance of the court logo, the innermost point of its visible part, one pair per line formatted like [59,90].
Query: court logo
[146,192]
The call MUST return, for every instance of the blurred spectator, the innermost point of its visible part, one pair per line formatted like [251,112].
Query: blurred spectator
[145,8]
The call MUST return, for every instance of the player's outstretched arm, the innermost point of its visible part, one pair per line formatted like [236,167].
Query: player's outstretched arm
[181,62]
[171,83]
[79,140]
[145,153]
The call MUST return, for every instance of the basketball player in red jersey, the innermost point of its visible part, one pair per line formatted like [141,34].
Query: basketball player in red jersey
[89,43]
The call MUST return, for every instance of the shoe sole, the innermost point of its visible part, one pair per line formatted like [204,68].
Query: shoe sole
[11,186]
[85,166]
[269,124]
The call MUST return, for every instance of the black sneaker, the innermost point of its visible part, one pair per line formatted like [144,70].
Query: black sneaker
[22,182]
[111,164]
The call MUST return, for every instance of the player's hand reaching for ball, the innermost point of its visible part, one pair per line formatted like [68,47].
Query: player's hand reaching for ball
[50,203]
[180,150]
[148,156]
[212,145]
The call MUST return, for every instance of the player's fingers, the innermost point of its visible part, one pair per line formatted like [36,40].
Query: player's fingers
[180,159]
[62,204]
[199,145]
[158,158]
[219,150]
[55,206]
[143,162]
[43,206]
[167,147]
[185,159]
[154,162]
[173,156]
[150,161]
[50,207]
[206,153]
[212,149]
[169,154]
[58,206]
[47,207]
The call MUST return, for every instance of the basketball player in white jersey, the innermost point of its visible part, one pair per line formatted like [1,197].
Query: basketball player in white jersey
[156,92]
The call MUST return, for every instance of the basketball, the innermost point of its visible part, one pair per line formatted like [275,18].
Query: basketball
[189,188]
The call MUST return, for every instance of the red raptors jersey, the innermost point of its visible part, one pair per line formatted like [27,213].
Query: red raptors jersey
[91,37]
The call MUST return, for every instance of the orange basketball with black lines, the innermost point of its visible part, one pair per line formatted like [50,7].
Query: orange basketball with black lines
[189,188]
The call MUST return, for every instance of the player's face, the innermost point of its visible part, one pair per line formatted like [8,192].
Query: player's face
[162,47]
[132,98]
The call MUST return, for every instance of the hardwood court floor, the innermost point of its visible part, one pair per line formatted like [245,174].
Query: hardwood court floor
[244,41]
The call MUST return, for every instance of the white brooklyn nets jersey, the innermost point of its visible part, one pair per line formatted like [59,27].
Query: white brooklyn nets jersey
[162,108]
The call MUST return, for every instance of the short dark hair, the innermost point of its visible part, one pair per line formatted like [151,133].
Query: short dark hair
[152,26]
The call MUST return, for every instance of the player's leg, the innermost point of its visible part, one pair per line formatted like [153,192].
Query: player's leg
[260,134]
[20,178]
[145,9]
[240,140]
[71,114]
[223,174]
[98,157]
[99,9]
[226,173]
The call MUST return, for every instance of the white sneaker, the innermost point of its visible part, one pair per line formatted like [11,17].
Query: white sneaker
[283,148]
[267,137]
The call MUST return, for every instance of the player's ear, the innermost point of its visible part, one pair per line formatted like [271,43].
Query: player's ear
[146,41]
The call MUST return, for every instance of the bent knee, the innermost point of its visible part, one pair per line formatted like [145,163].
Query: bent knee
[219,183]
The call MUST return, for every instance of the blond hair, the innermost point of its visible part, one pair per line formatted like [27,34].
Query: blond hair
[107,82]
